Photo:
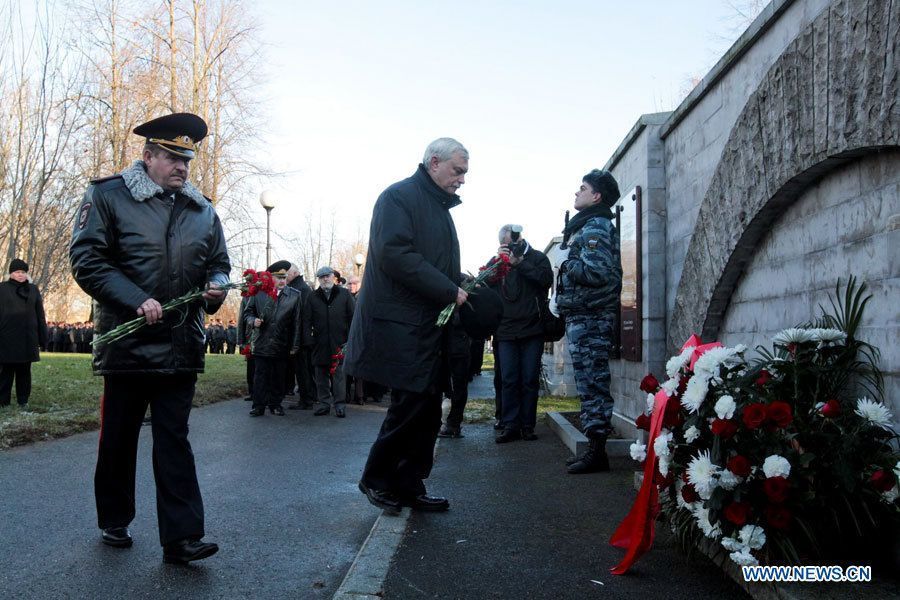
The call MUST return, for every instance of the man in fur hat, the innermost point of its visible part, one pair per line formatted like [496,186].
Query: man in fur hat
[141,238]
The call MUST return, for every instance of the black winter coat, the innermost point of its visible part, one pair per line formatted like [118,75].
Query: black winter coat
[279,335]
[412,273]
[23,327]
[131,243]
[523,288]
[326,322]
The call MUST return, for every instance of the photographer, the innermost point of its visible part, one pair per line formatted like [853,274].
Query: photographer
[519,339]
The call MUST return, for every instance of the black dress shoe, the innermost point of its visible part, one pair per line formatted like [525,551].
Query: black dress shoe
[184,551]
[117,537]
[528,434]
[257,411]
[386,501]
[498,426]
[320,412]
[340,413]
[508,435]
[276,410]
[427,503]
[248,399]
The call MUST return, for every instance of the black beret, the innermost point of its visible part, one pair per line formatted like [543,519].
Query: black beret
[279,266]
[481,315]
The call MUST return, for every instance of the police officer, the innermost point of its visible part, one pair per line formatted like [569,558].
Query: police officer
[588,289]
[141,238]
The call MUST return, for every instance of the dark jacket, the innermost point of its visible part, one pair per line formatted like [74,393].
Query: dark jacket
[412,273]
[231,335]
[23,326]
[590,280]
[326,322]
[131,243]
[279,335]
[522,290]
[299,284]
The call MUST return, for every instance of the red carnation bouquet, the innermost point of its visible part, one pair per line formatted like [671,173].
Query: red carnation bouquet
[337,359]
[495,270]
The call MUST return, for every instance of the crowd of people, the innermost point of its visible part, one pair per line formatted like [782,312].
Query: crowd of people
[69,337]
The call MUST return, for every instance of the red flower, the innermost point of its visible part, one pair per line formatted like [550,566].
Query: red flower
[831,409]
[739,465]
[882,480]
[724,428]
[649,384]
[689,494]
[754,415]
[663,482]
[672,417]
[764,378]
[737,512]
[642,422]
[245,350]
[780,413]
[778,516]
[776,489]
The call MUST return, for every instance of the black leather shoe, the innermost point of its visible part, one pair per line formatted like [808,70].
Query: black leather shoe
[383,500]
[321,412]
[340,413]
[449,431]
[248,399]
[117,537]
[257,411]
[528,434]
[184,551]
[427,503]
[497,425]
[508,435]
[276,410]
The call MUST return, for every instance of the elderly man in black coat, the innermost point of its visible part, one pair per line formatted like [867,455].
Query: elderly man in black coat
[412,273]
[23,329]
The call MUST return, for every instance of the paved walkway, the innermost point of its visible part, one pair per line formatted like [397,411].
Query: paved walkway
[280,496]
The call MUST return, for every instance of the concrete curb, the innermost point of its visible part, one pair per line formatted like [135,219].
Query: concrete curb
[365,579]
[576,442]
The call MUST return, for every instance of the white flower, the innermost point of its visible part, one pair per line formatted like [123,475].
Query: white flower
[729,480]
[702,474]
[725,407]
[695,393]
[702,516]
[651,400]
[677,362]
[827,336]
[891,495]
[732,545]
[661,443]
[897,470]
[776,466]
[753,536]
[693,433]
[794,335]
[875,413]
[663,465]
[715,358]
[670,386]
[740,348]
[743,558]
[638,451]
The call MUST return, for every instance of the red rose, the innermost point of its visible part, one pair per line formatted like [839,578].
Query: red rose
[831,409]
[780,413]
[754,414]
[776,489]
[689,494]
[724,428]
[778,516]
[663,482]
[739,465]
[672,417]
[764,377]
[649,384]
[737,512]
[882,480]
[642,422]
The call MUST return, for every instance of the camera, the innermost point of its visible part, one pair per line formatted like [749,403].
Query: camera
[517,248]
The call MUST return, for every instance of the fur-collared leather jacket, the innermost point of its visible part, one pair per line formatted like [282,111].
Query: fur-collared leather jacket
[132,241]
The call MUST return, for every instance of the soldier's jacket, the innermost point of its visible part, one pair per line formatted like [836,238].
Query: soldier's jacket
[591,279]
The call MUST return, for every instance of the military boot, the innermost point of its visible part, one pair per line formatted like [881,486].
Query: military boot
[593,460]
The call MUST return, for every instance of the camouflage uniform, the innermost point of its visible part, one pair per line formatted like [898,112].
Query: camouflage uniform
[588,289]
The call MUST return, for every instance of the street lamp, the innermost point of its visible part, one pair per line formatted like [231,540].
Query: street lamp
[267,200]
[358,259]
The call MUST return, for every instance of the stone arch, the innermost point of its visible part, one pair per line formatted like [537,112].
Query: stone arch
[832,96]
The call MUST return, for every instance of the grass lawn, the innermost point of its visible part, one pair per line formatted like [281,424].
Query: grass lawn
[65,396]
[479,411]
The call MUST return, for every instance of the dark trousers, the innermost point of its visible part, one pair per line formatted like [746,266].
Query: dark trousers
[179,506]
[306,385]
[476,357]
[403,454]
[229,348]
[22,374]
[520,371]
[459,388]
[251,374]
[498,381]
[268,382]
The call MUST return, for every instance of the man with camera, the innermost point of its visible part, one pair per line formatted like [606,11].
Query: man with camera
[520,337]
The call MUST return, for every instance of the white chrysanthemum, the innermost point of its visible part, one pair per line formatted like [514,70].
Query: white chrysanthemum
[691,434]
[715,358]
[795,335]
[702,516]
[729,480]
[638,451]
[674,365]
[891,495]
[670,386]
[695,393]
[732,545]
[744,557]
[776,466]
[663,465]
[828,336]
[753,536]
[740,348]
[651,400]
[725,407]
[875,413]
[702,474]
[661,443]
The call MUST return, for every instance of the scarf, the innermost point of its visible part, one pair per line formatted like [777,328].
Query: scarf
[578,221]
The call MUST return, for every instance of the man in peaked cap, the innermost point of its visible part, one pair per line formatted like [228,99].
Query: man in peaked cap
[141,238]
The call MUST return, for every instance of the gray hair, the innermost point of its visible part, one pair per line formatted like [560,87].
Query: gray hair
[509,228]
[444,149]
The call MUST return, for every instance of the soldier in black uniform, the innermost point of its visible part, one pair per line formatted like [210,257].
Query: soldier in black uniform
[142,238]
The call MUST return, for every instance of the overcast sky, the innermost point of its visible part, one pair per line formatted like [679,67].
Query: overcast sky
[539,93]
